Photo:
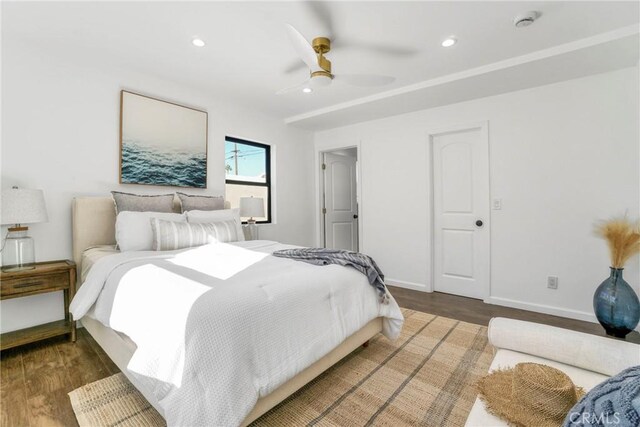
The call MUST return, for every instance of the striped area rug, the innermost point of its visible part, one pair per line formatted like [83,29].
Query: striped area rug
[426,377]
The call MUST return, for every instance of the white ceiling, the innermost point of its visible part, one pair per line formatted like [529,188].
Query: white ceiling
[598,54]
[247,48]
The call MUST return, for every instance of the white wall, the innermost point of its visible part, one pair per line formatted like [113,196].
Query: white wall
[561,157]
[60,123]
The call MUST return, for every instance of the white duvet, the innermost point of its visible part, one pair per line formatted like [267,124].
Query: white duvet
[219,326]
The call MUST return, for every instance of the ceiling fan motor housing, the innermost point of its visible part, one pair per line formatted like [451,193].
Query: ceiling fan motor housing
[321,45]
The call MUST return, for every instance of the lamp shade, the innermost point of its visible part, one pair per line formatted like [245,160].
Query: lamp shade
[21,206]
[251,207]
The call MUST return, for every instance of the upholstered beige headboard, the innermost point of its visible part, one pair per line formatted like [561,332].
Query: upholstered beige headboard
[94,223]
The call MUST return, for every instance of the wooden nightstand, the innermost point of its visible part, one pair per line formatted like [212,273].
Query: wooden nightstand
[46,277]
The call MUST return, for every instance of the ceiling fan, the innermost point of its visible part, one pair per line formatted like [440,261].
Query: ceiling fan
[313,55]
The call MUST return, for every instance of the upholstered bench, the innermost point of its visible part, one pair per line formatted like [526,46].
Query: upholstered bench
[586,359]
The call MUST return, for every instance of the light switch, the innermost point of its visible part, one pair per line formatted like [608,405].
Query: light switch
[497,204]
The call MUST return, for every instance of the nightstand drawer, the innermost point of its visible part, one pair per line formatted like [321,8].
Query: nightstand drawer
[34,284]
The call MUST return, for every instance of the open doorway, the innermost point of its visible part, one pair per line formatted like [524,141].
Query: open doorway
[339,192]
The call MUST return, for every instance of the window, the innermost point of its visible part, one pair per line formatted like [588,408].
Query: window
[248,173]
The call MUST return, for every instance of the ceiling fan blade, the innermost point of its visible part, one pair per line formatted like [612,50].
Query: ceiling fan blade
[322,13]
[295,66]
[303,48]
[364,80]
[296,88]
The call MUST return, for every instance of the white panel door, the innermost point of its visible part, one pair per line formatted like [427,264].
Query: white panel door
[341,204]
[461,251]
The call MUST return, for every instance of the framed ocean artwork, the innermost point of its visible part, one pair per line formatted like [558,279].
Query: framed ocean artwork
[162,143]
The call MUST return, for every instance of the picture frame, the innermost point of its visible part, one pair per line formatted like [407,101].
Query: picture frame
[162,143]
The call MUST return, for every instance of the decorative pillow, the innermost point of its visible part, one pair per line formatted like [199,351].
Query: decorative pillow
[170,235]
[142,203]
[215,216]
[133,230]
[202,203]
[615,401]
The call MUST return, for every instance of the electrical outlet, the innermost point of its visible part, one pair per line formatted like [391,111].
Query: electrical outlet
[552,282]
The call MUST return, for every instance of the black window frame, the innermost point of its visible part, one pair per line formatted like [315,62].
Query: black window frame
[267,182]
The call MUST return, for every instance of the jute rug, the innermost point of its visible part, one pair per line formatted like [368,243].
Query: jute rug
[426,377]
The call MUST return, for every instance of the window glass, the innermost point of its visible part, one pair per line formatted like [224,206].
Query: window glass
[245,162]
[248,174]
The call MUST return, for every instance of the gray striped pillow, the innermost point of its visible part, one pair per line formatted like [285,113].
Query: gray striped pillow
[171,235]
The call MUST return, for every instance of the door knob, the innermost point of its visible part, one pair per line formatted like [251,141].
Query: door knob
[355,216]
[479,223]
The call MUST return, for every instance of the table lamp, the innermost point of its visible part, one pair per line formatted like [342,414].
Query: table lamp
[19,207]
[252,207]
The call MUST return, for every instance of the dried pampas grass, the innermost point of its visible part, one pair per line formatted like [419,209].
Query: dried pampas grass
[623,238]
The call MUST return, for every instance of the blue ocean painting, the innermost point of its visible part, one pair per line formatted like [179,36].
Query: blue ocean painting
[149,164]
[162,143]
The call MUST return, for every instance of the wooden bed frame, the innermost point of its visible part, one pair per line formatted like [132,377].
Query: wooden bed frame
[94,224]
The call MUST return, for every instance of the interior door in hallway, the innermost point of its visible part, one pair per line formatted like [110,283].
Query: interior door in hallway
[461,238]
[340,202]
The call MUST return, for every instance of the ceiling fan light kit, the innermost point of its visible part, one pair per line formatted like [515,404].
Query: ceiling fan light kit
[321,78]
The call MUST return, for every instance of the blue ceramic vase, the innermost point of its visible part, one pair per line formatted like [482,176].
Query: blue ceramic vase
[616,305]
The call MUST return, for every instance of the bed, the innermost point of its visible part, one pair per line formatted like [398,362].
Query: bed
[93,245]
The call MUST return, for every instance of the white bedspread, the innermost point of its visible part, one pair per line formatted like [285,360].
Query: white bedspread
[218,326]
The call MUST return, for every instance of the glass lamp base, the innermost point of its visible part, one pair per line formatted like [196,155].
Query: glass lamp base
[18,253]
[252,228]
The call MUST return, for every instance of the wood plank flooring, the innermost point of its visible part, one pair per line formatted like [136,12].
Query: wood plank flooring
[475,311]
[36,378]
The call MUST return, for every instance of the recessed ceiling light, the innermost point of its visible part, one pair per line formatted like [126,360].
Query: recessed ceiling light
[307,90]
[198,42]
[449,42]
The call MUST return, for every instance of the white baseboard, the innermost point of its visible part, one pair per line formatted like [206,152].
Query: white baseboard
[541,308]
[407,285]
[506,302]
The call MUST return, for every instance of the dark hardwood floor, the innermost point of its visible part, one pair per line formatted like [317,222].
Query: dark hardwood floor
[475,311]
[37,377]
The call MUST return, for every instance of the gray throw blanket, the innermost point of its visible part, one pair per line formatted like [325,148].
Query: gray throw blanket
[361,262]
[613,402]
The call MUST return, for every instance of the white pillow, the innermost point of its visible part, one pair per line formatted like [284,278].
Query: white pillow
[134,232]
[216,216]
